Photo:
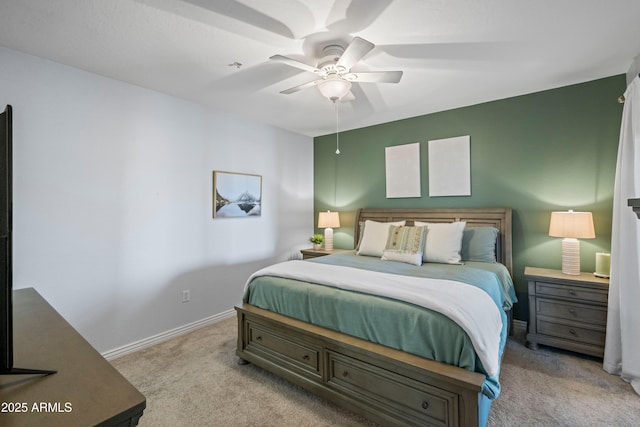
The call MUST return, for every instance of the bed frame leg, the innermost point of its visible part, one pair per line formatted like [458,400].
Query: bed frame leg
[241,361]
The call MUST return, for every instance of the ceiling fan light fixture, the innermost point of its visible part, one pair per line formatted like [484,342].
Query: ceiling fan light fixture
[334,88]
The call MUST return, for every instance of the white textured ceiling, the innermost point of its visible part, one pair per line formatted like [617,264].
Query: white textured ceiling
[453,52]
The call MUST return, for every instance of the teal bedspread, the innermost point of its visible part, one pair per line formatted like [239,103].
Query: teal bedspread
[389,322]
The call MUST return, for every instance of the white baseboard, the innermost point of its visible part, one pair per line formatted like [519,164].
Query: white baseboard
[164,336]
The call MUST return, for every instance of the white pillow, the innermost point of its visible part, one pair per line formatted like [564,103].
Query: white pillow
[407,257]
[374,237]
[444,241]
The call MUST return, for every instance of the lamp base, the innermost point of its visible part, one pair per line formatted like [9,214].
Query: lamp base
[328,239]
[571,256]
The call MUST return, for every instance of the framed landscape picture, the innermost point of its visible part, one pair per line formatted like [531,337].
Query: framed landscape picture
[236,194]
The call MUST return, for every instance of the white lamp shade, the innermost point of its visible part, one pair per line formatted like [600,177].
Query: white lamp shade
[576,225]
[572,226]
[334,88]
[328,220]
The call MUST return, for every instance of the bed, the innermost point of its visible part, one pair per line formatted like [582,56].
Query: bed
[307,322]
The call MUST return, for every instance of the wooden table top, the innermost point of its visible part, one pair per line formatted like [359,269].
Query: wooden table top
[86,390]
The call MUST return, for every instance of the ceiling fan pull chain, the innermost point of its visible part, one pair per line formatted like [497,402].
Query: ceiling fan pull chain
[335,102]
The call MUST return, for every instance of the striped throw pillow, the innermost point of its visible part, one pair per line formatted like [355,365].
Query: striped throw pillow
[405,244]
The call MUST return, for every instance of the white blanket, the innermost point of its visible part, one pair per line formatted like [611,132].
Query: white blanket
[468,306]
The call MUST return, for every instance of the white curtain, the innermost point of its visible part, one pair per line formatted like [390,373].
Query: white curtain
[622,348]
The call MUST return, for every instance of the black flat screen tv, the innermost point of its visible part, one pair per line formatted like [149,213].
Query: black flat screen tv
[6,311]
[6,249]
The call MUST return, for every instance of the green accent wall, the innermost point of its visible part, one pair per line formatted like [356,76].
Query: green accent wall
[545,151]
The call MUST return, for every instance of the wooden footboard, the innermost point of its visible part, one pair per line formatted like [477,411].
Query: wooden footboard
[385,385]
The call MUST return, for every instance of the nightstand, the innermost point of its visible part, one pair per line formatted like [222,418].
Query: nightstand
[314,253]
[568,312]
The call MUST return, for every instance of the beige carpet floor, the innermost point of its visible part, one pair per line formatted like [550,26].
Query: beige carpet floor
[194,380]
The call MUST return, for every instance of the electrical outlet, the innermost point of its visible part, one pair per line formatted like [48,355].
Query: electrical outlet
[186,295]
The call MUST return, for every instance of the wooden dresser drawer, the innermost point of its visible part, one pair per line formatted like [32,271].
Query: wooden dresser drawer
[576,312]
[406,399]
[300,356]
[390,387]
[576,333]
[574,293]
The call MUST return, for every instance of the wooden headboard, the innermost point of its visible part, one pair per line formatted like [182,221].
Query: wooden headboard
[499,218]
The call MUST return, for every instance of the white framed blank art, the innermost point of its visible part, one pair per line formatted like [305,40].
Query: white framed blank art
[402,165]
[450,167]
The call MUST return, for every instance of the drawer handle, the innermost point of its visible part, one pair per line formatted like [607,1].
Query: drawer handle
[572,331]
[425,405]
[572,311]
[345,373]
[572,292]
[259,338]
[305,357]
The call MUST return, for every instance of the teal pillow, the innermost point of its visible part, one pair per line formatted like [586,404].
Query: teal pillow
[479,244]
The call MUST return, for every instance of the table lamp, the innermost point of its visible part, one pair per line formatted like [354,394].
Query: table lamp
[328,220]
[571,226]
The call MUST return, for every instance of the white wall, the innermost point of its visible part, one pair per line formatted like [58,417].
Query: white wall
[112,200]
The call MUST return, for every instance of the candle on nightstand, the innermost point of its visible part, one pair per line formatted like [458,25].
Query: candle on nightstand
[603,264]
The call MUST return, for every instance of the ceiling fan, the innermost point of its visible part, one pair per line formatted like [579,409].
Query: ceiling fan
[334,70]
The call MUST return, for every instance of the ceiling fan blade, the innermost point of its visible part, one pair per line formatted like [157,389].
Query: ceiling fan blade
[355,16]
[216,13]
[377,77]
[299,87]
[293,63]
[458,51]
[354,52]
